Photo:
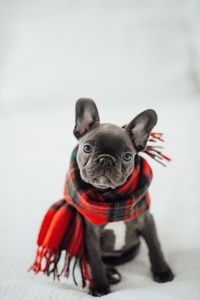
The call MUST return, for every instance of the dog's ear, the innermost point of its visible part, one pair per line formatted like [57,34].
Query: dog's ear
[87,116]
[140,127]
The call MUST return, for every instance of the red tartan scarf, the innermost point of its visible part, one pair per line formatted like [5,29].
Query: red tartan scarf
[63,225]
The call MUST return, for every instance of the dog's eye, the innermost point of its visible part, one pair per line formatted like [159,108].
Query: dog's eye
[127,156]
[87,148]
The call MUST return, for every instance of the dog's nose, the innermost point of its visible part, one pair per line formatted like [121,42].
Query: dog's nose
[105,162]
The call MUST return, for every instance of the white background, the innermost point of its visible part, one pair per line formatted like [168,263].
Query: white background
[128,56]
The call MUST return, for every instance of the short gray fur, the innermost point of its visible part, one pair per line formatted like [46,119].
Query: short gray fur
[105,167]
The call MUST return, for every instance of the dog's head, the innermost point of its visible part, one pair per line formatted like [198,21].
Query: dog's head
[106,152]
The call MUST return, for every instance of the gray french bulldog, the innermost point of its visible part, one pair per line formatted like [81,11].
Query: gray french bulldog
[105,158]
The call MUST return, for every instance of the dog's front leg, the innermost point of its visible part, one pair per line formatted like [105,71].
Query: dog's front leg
[98,270]
[161,271]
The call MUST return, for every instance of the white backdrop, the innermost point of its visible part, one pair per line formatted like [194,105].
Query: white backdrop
[128,56]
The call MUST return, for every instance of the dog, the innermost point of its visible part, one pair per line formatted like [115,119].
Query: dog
[105,158]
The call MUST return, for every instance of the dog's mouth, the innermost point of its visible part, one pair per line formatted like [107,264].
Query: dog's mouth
[102,181]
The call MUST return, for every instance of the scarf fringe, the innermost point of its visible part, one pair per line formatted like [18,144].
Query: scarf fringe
[52,257]
[153,151]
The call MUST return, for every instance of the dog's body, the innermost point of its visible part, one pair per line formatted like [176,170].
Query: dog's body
[106,158]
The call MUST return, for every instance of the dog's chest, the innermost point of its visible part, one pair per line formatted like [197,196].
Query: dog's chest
[114,235]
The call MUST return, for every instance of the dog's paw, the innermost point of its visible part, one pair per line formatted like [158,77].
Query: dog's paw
[113,275]
[98,292]
[163,276]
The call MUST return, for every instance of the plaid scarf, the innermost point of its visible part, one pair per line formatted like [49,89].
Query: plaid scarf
[63,225]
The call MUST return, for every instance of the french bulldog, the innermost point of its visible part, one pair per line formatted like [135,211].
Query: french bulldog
[105,158]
